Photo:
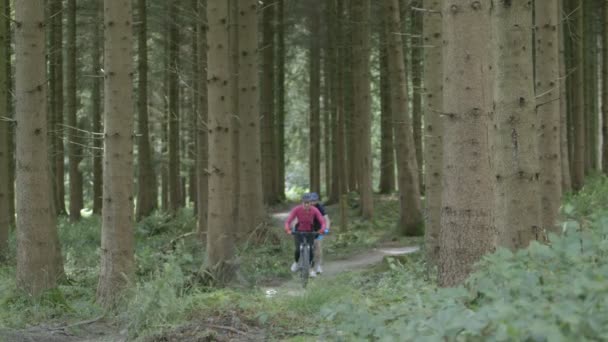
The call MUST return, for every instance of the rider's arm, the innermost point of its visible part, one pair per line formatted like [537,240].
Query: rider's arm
[327,223]
[290,218]
[320,219]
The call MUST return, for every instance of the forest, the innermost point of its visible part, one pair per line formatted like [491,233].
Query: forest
[154,153]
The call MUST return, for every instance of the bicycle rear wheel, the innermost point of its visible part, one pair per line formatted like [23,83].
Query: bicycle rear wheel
[304,263]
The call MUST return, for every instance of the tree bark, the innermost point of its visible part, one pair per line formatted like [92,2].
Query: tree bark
[417,53]
[513,139]
[590,82]
[221,230]
[467,231]
[117,238]
[202,151]
[5,153]
[548,110]
[146,180]
[433,107]
[341,104]
[578,105]
[387,146]
[280,94]
[175,196]
[333,27]
[362,100]
[96,104]
[605,88]
[195,103]
[250,200]
[76,196]
[314,148]
[269,148]
[39,263]
[56,103]
[10,110]
[410,215]
[564,102]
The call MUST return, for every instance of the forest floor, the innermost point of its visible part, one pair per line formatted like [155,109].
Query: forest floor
[229,325]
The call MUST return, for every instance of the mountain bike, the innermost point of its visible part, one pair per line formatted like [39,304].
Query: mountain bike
[305,252]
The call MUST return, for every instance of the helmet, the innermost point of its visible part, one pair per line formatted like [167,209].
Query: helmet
[314,196]
[307,197]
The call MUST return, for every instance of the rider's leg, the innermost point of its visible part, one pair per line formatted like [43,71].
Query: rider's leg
[318,255]
[311,243]
[296,255]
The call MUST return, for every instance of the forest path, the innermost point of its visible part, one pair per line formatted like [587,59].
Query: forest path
[100,330]
[332,268]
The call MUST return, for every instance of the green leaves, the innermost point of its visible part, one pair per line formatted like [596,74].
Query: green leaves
[547,292]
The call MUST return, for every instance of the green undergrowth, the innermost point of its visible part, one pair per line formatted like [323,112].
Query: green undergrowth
[169,289]
[547,292]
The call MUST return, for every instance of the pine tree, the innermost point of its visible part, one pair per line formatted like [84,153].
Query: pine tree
[117,237]
[5,153]
[220,222]
[467,231]
[146,179]
[362,103]
[433,130]
[513,137]
[548,109]
[39,264]
[250,199]
[410,215]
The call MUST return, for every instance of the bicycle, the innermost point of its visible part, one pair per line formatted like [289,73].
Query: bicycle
[305,252]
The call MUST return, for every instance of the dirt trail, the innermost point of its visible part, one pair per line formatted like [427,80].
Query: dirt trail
[101,331]
[331,268]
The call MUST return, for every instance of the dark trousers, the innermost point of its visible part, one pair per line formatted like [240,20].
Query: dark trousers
[300,238]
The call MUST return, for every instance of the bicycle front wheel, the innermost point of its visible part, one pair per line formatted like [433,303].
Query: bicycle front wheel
[304,264]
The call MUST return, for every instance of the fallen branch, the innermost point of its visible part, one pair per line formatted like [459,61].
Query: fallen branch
[223,327]
[85,322]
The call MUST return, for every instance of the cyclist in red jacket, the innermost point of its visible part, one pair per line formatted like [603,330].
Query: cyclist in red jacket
[305,213]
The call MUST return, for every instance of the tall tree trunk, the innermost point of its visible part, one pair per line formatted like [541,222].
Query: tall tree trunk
[410,215]
[314,156]
[269,182]
[174,158]
[233,70]
[333,65]
[146,180]
[96,103]
[192,130]
[564,102]
[433,107]
[76,202]
[56,104]
[10,110]
[280,94]
[250,199]
[387,146]
[221,230]
[117,238]
[605,88]
[5,153]
[341,104]
[362,98]
[202,151]
[39,263]
[59,107]
[513,139]
[589,39]
[416,47]
[578,105]
[350,115]
[467,231]
[327,128]
[548,110]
